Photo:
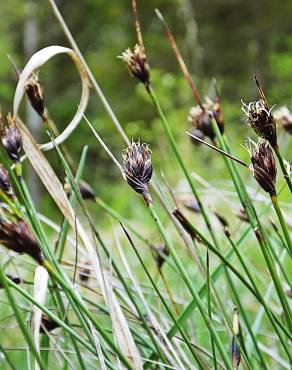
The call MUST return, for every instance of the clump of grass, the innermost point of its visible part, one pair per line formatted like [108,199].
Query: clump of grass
[201,301]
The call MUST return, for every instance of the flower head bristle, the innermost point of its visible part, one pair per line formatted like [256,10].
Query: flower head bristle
[260,118]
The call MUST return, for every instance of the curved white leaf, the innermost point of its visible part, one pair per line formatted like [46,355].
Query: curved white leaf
[32,66]
[40,289]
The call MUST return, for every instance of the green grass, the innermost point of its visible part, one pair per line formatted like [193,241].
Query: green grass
[129,313]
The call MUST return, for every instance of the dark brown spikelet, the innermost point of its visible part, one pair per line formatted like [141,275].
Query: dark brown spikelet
[263,166]
[198,133]
[215,108]
[16,235]
[241,214]
[11,139]
[84,273]
[47,324]
[15,279]
[86,191]
[186,224]
[200,117]
[137,167]
[260,118]
[137,64]
[35,94]
[5,183]
[223,222]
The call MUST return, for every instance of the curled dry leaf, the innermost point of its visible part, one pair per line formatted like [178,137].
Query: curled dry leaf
[34,65]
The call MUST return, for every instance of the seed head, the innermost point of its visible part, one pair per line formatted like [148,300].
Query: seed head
[47,324]
[186,224]
[284,117]
[198,133]
[16,235]
[84,272]
[137,63]
[260,118]
[200,117]
[5,183]
[137,167]
[12,139]
[215,107]
[35,95]
[16,280]
[263,166]
[86,191]
[241,214]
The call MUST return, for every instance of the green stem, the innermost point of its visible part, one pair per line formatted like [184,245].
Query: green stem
[282,165]
[181,162]
[85,310]
[189,284]
[23,326]
[277,208]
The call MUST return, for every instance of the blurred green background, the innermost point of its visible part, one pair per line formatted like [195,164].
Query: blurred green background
[226,39]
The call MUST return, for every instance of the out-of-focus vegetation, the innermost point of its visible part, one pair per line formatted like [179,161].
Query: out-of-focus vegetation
[228,40]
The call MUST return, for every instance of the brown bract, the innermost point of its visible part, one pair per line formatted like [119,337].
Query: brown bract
[263,166]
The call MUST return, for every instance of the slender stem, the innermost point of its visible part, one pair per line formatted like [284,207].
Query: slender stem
[209,305]
[23,326]
[282,165]
[277,208]
[86,311]
[179,327]
[181,162]
[219,150]
[189,284]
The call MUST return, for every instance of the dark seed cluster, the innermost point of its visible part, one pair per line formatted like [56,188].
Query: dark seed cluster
[137,64]
[263,166]
[260,118]
[137,167]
